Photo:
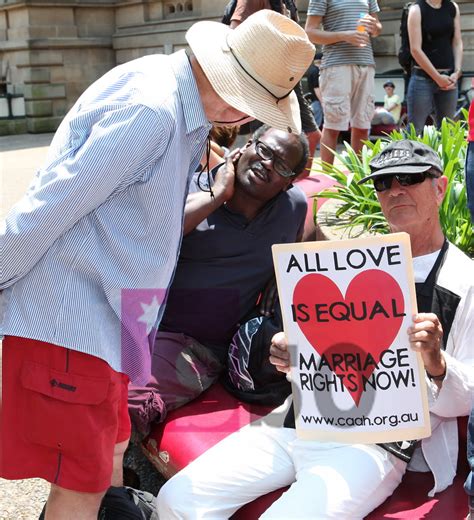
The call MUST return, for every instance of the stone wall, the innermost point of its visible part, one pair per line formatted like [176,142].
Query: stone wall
[51,50]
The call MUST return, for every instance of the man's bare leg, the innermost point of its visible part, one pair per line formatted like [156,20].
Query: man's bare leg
[313,140]
[328,143]
[73,505]
[117,472]
[357,136]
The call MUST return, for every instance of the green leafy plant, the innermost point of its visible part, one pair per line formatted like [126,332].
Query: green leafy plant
[359,204]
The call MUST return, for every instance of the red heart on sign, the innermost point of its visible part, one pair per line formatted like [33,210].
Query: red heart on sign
[338,328]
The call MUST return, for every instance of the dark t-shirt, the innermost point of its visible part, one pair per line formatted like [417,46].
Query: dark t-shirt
[437,33]
[224,264]
[313,80]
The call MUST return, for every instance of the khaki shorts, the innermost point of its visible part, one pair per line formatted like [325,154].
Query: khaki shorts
[348,96]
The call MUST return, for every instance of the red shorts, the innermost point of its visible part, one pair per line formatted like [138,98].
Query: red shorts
[63,412]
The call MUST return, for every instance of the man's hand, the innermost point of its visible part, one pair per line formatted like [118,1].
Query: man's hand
[356,38]
[199,205]
[269,296]
[279,355]
[223,187]
[425,336]
[370,24]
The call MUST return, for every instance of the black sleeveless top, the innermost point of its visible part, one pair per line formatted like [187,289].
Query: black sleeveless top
[437,29]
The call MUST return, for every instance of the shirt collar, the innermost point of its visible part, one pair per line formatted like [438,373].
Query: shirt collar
[193,109]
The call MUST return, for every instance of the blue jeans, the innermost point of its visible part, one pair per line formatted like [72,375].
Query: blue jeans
[317,112]
[425,97]
[469,484]
[470,179]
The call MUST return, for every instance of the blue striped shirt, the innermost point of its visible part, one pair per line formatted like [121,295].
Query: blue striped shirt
[343,15]
[88,253]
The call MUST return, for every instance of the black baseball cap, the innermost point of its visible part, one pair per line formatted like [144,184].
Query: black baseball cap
[389,84]
[403,157]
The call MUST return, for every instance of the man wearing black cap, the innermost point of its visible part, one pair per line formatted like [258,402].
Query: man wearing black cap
[349,481]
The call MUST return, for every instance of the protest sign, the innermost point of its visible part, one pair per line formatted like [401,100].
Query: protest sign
[346,307]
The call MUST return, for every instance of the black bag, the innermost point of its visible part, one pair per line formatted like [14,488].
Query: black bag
[250,375]
[404,54]
[229,11]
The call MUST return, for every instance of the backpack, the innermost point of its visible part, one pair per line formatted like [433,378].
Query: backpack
[250,376]
[404,54]
[228,12]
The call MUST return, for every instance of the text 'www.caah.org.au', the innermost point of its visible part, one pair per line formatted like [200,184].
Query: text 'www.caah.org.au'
[348,422]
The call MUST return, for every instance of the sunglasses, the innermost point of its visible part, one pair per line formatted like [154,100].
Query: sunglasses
[384,182]
[267,154]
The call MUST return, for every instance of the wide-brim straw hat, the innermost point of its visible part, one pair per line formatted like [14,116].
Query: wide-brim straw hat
[255,67]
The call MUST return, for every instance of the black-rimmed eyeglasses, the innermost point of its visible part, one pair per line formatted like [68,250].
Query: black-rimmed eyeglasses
[384,182]
[267,154]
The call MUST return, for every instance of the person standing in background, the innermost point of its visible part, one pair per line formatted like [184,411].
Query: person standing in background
[434,30]
[239,10]
[315,91]
[347,69]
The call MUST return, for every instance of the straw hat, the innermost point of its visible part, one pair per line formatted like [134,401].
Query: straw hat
[255,67]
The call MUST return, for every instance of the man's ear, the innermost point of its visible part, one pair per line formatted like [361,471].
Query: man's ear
[441,185]
[247,144]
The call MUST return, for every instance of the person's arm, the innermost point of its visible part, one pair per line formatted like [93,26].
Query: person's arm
[422,60]
[80,180]
[452,373]
[321,37]
[457,47]
[394,104]
[244,9]
[317,92]
[200,204]
[453,397]
[372,24]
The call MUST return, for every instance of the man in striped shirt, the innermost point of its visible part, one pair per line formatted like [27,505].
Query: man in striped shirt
[88,253]
[348,68]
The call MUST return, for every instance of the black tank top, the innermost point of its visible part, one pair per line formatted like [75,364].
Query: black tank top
[437,26]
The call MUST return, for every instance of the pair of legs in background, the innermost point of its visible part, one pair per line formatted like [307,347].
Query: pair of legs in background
[327,480]
[425,98]
[348,99]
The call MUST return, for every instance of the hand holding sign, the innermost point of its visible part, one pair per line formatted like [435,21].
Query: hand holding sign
[425,337]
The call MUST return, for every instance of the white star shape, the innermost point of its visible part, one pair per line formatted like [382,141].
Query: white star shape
[149,314]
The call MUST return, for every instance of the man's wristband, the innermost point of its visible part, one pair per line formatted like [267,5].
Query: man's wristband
[440,377]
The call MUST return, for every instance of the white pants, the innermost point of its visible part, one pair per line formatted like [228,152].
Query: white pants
[328,480]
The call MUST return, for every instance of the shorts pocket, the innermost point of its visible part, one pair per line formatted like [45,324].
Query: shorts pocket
[66,411]
[370,108]
[336,109]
